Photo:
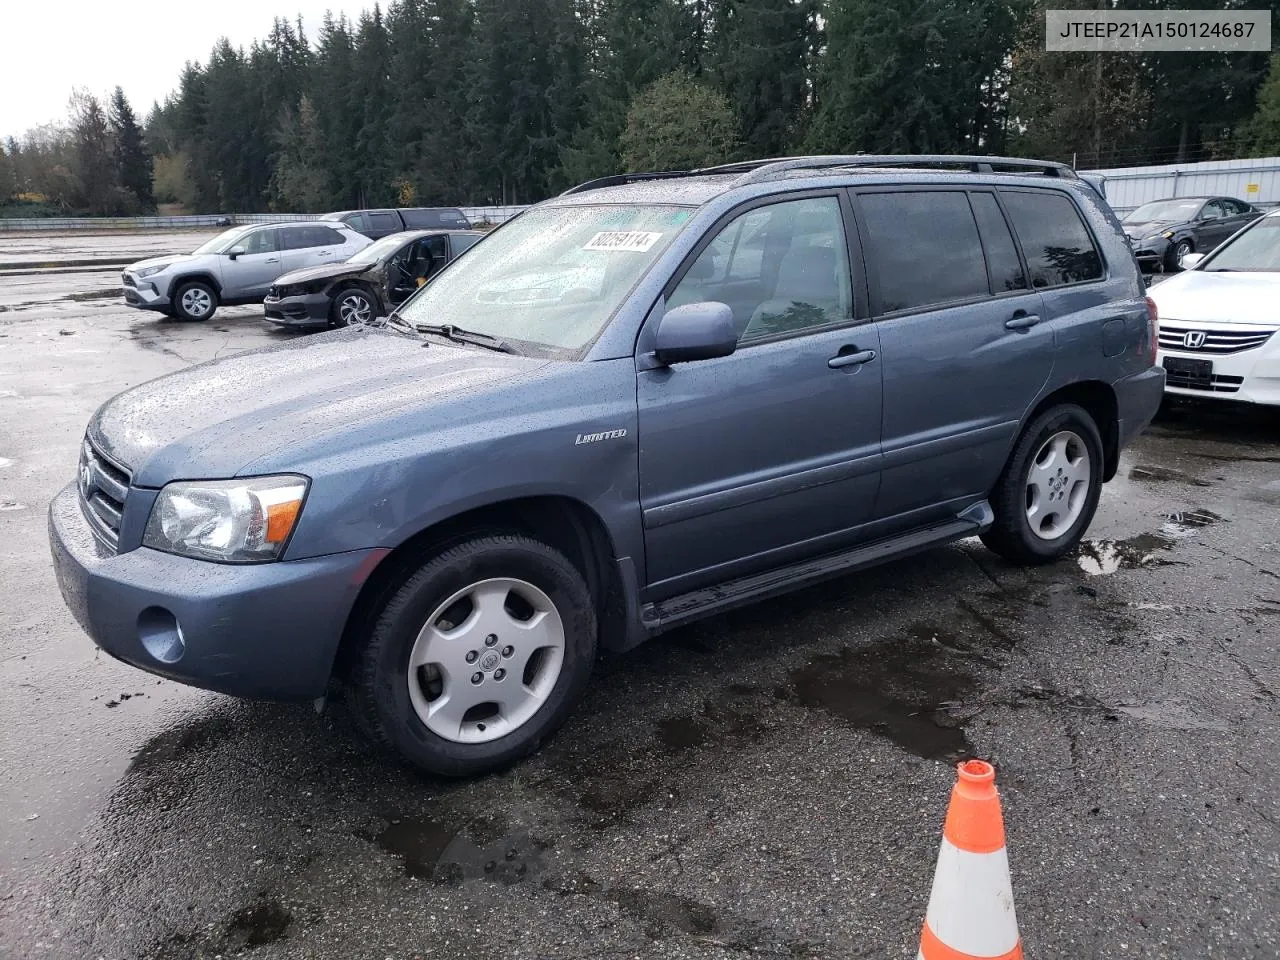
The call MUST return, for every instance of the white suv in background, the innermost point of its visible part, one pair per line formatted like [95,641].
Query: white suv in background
[1219,319]
[237,266]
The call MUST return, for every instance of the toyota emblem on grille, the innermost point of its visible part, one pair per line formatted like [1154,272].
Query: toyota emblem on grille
[1194,339]
[86,479]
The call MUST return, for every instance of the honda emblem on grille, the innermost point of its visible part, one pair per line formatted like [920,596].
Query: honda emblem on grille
[1194,339]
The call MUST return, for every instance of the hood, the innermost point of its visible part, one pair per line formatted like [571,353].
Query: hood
[213,419]
[327,271]
[1139,231]
[165,261]
[1203,296]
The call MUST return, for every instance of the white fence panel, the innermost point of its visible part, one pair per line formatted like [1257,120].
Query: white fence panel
[1255,181]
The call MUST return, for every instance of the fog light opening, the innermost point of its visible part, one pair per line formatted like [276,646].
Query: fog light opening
[161,634]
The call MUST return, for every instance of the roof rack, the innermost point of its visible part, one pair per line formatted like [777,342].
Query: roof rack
[755,171]
[619,179]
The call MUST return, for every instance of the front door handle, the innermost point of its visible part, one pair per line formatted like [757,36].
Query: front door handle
[272,260]
[850,357]
[1022,321]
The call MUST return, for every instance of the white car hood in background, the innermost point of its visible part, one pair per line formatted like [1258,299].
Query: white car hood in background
[1199,296]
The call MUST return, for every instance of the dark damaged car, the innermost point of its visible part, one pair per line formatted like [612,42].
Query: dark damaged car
[649,400]
[1162,232]
[368,285]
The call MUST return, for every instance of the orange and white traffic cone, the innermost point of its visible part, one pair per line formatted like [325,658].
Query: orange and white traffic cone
[971,907]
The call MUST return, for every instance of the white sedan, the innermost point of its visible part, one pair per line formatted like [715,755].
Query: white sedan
[1219,317]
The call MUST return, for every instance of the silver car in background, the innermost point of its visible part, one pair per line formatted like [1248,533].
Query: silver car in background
[237,266]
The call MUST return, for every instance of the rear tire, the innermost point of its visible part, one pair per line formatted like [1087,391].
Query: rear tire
[1048,492]
[505,609]
[194,301]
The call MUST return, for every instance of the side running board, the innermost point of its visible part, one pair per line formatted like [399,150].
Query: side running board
[696,604]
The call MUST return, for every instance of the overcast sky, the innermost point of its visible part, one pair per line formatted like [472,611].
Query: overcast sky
[140,45]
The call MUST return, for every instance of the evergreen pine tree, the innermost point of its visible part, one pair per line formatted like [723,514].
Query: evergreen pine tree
[134,170]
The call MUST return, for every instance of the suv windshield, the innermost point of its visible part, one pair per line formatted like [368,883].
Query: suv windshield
[377,250]
[551,277]
[1256,250]
[1171,210]
[223,241]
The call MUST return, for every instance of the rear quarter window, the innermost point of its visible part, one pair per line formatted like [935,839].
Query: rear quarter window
[1057,244]
[462,241]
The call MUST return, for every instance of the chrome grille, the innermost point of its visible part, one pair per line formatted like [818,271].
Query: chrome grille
[1220,341]
[103,486]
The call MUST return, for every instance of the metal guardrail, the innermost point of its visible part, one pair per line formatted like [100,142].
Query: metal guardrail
[474,214]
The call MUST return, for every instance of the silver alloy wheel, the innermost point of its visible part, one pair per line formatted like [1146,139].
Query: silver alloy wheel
[196,303]
[486,660]
[355,310]
[1058,485]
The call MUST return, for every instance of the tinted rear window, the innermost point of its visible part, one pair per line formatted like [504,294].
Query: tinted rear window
[922,249]
[383,221]
[1054,239]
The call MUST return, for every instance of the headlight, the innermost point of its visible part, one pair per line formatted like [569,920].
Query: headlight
[149,271]
[228,521]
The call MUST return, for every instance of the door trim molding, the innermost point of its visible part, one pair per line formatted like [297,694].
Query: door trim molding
[691,507]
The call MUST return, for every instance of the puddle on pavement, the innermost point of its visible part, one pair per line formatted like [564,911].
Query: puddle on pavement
[1149,473]
[1179,526]
[448,854]
[1102,557]
[909,692]
[264,922]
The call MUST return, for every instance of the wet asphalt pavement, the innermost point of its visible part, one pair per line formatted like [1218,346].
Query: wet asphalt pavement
[770,783]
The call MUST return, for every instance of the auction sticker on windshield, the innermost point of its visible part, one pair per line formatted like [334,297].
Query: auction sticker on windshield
[631,241]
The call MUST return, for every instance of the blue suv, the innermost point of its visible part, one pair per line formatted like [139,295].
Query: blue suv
[648,400]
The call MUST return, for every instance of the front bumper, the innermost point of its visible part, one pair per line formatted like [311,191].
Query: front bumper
[266,630]
[307,310]
[1137,401]
[1250,376]
[148,294]
[1150,252]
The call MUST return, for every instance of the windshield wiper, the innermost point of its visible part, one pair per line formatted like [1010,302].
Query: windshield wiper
[458,335]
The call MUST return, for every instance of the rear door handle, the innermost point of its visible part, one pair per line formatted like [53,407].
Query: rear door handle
[1022,321]
[272,260]
[853,358]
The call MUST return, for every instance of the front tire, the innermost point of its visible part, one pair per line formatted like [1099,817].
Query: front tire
[1176,252]
[479,656]
[352,307]
[1048,492]
[194,301]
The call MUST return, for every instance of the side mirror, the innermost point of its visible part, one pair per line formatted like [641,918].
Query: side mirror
[696,331]
[235,252]
[1189,260]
